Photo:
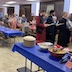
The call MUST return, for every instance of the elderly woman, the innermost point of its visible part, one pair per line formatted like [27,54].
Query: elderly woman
[24,19]
[64,33]
[12,22]
[5,20]
[19,24]
[33,25]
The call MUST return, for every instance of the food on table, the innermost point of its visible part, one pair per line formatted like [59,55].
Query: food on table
[57,51]
[57,46]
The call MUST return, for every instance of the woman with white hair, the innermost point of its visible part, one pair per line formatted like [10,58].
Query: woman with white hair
[12,22]
[24,19]
[64,32]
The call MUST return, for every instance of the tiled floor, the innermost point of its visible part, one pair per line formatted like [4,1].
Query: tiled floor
[9,61]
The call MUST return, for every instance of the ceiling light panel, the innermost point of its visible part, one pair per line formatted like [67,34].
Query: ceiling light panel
[31,0]
[11,2]
[5,5]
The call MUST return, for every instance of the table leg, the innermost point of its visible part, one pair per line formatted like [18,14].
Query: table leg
[24,69]
[38,68]
[31,67]
[25,64]
[14,40]
[17,39]
[44,71]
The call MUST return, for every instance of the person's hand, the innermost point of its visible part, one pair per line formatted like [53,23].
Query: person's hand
[30,21]
[45,25]
[2,22]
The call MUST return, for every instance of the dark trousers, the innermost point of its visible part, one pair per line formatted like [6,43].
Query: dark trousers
[50,37]
[50,34]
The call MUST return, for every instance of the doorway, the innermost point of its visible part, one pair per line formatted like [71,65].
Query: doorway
[10,10]
[26,9]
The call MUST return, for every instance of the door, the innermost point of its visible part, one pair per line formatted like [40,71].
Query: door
[26,9]
[10,10]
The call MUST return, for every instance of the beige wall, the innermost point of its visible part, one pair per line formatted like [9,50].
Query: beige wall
[58,7]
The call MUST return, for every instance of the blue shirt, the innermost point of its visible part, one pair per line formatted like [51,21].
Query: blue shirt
[24,19]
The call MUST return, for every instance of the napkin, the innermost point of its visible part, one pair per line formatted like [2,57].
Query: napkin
[69,64]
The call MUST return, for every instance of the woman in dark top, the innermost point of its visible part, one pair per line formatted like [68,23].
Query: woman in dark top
[41,28]
[64,33]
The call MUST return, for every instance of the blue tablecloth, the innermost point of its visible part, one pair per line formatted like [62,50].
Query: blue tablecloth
[41,58]
[10,32]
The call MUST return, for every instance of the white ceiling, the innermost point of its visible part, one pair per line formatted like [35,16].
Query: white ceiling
[2,2]
[19,1]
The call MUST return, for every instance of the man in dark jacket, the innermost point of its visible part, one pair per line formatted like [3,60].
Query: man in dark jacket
[50,30]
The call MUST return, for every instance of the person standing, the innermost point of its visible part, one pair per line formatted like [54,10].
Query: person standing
[64,33]
[51,30]
[41,27]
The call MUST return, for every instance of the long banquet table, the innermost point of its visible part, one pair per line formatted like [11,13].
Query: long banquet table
[41,58]
[10,32]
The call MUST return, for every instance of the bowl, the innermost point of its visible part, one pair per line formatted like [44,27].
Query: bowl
[45,45]
[57,52]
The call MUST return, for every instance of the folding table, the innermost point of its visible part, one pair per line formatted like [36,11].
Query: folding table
[41,58]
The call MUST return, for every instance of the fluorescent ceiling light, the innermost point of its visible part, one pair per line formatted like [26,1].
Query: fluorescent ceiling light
[31,0]
[11,2]
[5,5]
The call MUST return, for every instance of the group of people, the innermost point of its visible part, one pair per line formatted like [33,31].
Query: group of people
[13,21]
[47,28]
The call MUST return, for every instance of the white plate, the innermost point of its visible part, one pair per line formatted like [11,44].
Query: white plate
[45,45]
